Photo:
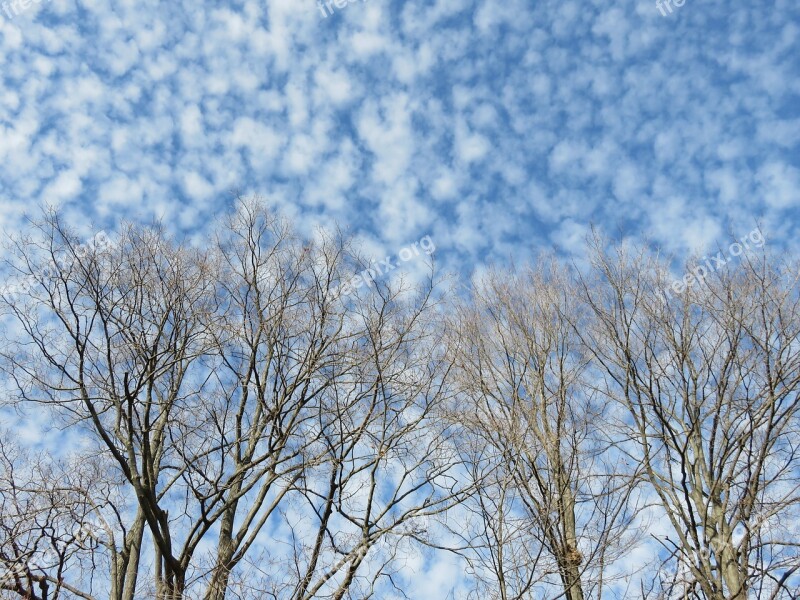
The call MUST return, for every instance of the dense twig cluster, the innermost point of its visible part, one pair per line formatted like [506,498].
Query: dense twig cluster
[250,432]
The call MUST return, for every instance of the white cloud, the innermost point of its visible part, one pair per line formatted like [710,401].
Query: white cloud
[66,186]
[779,184]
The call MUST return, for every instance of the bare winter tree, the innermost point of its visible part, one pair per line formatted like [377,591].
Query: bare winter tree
[391,457]
[710,381]
[115,526]
[553,506]
[222,385]
[278,333]
[251,431]
[47,534]
[195,369]
[111,342]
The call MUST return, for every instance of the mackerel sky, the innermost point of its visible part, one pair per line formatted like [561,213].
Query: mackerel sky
[497,127]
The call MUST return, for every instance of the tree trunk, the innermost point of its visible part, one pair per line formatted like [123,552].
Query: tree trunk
[125,563]
[570,558]
[133,543]
[171,587]
[225,550]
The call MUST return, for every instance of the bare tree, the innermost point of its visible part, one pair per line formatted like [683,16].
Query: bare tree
[552,499]
[492,528]
[116,525]
[221,386]
[111,341]
[553,505]
[278,337]
[391,460]
[251,431]
[47,536]
[710,380]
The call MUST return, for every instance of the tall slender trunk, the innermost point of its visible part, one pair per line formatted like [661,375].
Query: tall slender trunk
[170,581]
[133,544]
[125,563]
[569,559]
[571,576]
[171,587]
[734,578]
[225,551]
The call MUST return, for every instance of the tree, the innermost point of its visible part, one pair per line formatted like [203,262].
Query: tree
[709,380]
[551,498]
[391,460]
[222,384]
[112,341]
[47,531]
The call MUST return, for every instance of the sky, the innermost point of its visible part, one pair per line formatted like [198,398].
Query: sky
[499,128]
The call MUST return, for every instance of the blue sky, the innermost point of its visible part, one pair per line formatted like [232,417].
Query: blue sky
[499,128]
